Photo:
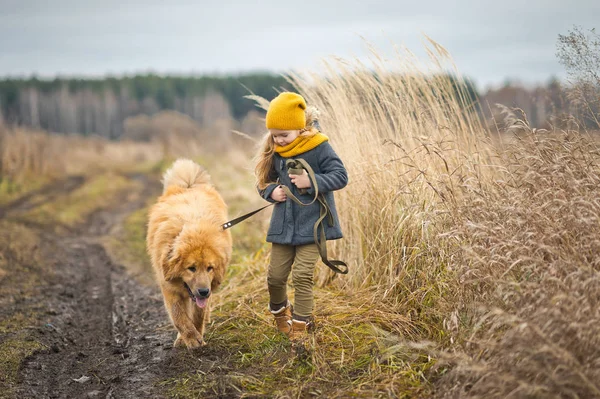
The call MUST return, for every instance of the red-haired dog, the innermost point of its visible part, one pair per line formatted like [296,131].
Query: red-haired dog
[188,247]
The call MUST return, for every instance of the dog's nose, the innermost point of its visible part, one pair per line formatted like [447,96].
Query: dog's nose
[203,292]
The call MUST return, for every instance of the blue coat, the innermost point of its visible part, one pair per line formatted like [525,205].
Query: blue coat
[292,224]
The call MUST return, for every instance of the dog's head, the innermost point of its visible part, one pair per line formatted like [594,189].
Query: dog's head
[199,257]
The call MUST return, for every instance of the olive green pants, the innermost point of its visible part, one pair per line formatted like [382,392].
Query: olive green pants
[304,258]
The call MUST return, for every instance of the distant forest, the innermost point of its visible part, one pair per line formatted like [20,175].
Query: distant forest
[101,106]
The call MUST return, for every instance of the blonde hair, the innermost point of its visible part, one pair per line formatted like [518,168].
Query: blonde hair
[264,162]
[264,158]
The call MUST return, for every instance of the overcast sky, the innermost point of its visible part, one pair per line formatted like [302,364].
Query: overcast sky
[489,40]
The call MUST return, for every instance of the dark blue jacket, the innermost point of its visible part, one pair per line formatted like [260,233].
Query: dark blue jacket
[293,224]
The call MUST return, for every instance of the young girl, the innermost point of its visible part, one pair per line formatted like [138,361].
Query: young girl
[292,135]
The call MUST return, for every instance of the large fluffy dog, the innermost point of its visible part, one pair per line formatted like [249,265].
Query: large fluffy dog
[189,249]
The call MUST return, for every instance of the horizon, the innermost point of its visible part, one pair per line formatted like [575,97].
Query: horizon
[222,75]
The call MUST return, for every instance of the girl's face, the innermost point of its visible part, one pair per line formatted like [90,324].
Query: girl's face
[284,137]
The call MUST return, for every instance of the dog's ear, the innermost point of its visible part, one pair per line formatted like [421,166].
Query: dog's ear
[171,265]
[219,275]
[217,278]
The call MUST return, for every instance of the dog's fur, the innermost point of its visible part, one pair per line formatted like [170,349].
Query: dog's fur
[184,233]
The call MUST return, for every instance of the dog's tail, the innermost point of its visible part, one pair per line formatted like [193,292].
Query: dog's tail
[185,173]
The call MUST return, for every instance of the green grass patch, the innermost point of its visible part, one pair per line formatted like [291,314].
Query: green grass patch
[354,352]
[12,353]
[74,208]
[128,245]
[19,321]
[24,272]
[134,233]
[11,190]
[21,263]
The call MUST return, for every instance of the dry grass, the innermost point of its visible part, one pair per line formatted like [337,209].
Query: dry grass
[486,250]
[24,153]
[409,140]
[492,248]
[530,248]
[30,158]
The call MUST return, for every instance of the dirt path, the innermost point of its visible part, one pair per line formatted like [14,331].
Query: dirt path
[103,333]
[108,335]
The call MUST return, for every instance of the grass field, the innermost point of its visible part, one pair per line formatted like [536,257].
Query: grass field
[474,267]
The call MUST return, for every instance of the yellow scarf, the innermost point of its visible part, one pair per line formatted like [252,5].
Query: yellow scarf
[301,145]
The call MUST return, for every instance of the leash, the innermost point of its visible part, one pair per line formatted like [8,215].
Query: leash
[297,165]
[240,219]
[287,191]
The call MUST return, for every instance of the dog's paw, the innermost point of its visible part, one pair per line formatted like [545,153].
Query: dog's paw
[178,342]
[192,342]
[195,343]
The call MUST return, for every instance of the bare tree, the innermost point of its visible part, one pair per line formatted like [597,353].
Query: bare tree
[579,52]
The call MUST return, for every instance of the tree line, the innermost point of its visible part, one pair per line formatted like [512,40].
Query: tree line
[100,106]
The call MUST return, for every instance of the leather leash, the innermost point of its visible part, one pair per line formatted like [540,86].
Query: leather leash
[240,219]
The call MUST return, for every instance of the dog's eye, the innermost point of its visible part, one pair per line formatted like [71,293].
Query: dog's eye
[209,269]
[192,268]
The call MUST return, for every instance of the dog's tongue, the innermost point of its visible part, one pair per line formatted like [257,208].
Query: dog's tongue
[201,302]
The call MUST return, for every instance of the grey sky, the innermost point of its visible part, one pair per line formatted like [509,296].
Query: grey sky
[489,40]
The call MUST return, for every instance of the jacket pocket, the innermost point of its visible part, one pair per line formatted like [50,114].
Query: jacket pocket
[277,219]
[307,217]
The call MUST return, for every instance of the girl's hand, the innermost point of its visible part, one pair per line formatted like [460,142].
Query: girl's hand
[301,181]
[278,194]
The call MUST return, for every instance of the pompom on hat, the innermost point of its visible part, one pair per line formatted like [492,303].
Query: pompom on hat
[286,112]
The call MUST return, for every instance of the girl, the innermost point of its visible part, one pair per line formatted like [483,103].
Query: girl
[292,135]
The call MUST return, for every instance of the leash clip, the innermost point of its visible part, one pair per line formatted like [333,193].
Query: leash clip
[235,221]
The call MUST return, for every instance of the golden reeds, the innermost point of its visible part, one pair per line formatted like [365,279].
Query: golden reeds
[492,248]
[408,136]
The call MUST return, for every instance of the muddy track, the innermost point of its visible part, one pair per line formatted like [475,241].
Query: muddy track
[46,193]
[107,335]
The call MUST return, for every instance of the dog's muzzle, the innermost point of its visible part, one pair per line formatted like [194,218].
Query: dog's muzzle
[201,299]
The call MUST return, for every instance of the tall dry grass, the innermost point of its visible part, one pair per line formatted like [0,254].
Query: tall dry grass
[531,273]
[492,248]
[409,139]
[28,156]
[26,152]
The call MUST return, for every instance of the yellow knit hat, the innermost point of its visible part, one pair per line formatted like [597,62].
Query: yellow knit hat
[286,112]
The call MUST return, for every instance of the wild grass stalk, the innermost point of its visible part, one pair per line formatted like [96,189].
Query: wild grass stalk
[491,247]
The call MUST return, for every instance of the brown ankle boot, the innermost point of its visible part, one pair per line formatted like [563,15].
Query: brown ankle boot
[300,329]
[283,318]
